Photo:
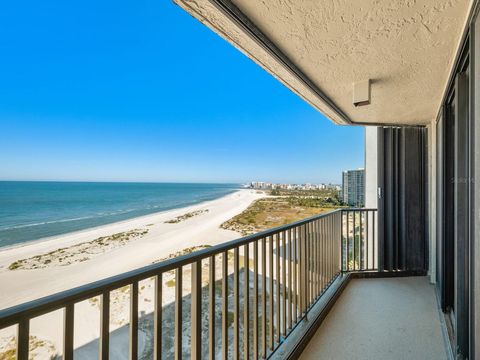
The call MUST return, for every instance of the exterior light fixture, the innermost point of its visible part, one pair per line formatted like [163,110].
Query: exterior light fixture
[361,93]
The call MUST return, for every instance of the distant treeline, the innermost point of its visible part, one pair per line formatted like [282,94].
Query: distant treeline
[310,198]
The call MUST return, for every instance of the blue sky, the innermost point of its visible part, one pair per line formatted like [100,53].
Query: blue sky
[140,91]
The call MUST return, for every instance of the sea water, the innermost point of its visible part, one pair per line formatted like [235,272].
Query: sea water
[30,210]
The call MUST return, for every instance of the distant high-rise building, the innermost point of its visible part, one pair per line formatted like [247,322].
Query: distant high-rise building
[353,187]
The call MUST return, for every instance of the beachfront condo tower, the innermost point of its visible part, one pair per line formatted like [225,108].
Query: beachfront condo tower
[353,187]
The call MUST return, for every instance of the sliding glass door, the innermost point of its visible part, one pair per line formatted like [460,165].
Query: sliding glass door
[455,210]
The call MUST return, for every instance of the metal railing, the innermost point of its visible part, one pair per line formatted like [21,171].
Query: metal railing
[359,240]
[282,272]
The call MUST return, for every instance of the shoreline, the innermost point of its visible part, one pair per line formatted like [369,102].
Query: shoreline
[165,238]
[79,232]
[29,282]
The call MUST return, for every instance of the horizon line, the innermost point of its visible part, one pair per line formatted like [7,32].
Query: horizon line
[168,182]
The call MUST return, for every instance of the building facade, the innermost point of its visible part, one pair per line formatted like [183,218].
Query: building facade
[353,187]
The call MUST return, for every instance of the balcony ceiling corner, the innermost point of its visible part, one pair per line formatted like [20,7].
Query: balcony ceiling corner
[319,49]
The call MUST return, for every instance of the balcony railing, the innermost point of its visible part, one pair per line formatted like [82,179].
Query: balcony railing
[359,241]
[282,272]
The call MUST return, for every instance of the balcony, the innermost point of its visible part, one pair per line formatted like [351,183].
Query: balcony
[381,318]
[321,268]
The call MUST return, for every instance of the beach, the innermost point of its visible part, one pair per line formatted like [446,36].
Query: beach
[163,238]
[51,265]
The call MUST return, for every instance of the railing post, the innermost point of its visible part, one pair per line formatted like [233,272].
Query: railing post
[300,270]
[157,339]
[277,277]
[225,305]
[354,239]
[211,308]
[246,302]
[23,335]
[236,304]
[255,301]
[134,321]
[270,297]
[361,253]
[290,290]
[322,254]
[367,246]
[295,275]
[196,311]
[178,313]
[374,230]
[341,242]
[105,326]
[305,274]
[264,298]
[284,283]
[347,242]
[340,232]
[68,327]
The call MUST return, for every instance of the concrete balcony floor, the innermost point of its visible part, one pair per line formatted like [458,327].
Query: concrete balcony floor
[392,318]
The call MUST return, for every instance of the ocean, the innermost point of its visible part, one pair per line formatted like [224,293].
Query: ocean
[30,210]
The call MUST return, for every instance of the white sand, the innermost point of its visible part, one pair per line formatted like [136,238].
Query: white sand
[163,239]
[19,286]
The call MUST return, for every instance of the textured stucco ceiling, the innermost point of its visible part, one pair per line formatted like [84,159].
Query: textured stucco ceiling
[406,47]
